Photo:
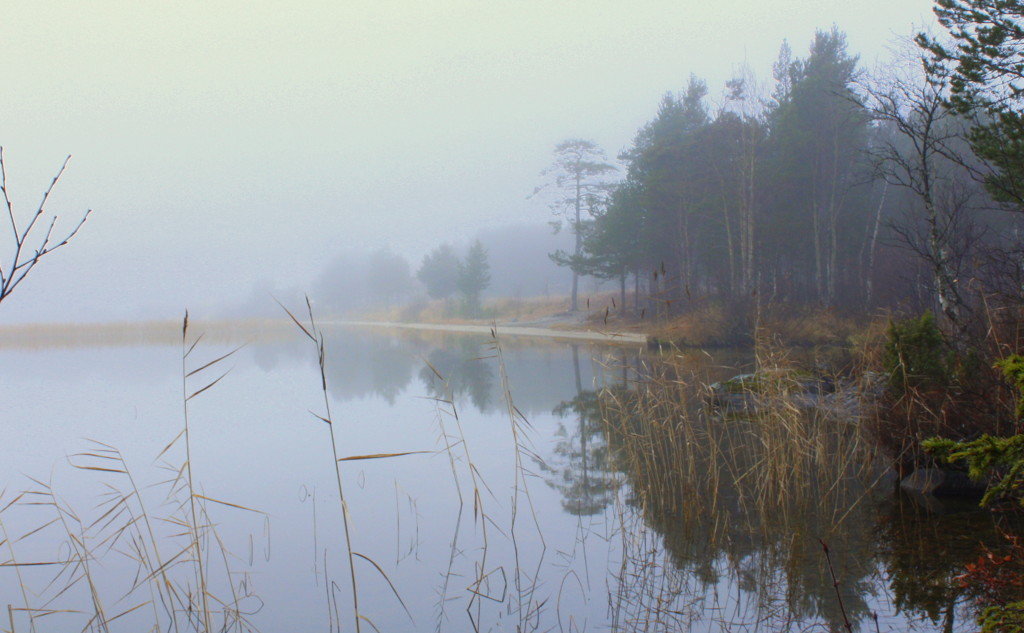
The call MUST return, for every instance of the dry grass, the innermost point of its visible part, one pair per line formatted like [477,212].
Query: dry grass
[714,324]
[811,326]
[773,457]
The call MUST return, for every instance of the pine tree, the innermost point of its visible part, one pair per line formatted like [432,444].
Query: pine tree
[985,67]
[579,177]
[474,278]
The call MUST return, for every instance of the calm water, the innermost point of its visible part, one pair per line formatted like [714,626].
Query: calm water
[560,534]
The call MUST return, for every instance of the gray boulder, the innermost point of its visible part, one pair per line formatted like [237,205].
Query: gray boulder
[942,483]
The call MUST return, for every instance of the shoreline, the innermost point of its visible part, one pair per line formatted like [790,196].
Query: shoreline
[500,329]
[46,335]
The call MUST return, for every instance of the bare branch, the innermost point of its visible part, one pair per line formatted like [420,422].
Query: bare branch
[27,250]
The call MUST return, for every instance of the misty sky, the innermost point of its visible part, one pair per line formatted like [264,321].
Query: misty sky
[222,143]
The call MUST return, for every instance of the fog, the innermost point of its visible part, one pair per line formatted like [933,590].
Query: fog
[230,151]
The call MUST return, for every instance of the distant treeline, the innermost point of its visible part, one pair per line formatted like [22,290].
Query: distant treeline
[830,186]
[825,185]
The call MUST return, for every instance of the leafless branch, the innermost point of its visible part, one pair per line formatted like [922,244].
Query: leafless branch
[28,245]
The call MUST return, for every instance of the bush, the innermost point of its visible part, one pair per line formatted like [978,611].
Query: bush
[988,456]
[916,355]
[931,391]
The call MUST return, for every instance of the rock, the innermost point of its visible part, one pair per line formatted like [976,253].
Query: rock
[940,482]
[747,391]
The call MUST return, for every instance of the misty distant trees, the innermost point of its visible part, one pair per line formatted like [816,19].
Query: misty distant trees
[388,277]
[512,260]
[32,240]
[822,187]
[439,272]
[444,274]
[474,277]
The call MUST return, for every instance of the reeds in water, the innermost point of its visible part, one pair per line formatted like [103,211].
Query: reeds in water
[130,555]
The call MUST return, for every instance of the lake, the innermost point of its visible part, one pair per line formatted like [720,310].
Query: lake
[487,494]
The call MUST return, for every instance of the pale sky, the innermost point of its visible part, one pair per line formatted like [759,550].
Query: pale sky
[219,143]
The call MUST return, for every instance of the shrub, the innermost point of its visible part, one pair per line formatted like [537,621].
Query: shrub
[1003,619]
[915,355]
[987,455]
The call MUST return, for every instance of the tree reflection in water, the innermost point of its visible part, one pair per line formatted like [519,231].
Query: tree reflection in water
[720,514]
[464,374]
[582,472]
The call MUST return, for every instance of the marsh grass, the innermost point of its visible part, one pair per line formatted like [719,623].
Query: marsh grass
[768,477]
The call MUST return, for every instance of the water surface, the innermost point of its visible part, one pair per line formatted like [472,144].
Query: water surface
[513,510]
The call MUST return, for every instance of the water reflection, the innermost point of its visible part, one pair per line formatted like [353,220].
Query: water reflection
[924,548]
[580,466]
[894,556]
[370,363]
[657,514]
[457,372]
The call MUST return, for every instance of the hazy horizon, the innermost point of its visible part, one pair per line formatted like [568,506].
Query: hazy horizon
[222,148]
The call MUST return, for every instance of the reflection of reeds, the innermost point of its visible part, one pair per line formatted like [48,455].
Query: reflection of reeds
[527,607]
[446,408]
[316,337]
[753,483]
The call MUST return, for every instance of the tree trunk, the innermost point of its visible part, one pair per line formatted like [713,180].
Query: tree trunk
[869,276]
[622,292]
[818,272]
[636,292]
[579,244]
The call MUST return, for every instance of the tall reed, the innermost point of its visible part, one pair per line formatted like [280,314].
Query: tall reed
[776,465]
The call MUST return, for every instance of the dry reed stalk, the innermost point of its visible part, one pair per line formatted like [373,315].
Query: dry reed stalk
[196,540]
[480,518]
[315,335]
[527,607]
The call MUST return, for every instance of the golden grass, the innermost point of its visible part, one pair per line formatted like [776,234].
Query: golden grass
[714,324]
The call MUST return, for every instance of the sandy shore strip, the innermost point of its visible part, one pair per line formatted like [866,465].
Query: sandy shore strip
[611,338]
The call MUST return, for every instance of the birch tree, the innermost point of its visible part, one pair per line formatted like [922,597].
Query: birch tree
[913,157]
